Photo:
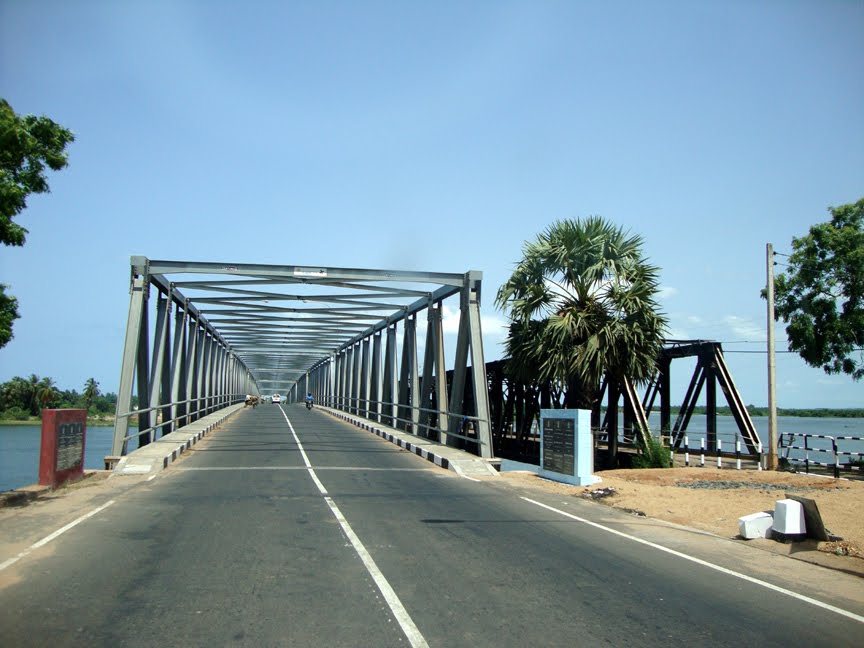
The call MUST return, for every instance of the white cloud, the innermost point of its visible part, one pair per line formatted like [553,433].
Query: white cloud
[745,328]
[677,334]
[492,326]
[666,292]
[830,381]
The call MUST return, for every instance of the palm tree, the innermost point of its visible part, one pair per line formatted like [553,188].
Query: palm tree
[32,387]
[582,303]
[91,391]
[46,392]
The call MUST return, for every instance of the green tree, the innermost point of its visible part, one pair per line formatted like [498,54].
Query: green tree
[582,303]
[91,391]
[821,294]
[16,393]
[32,391]
[47,394]
[8,314]
[27,145]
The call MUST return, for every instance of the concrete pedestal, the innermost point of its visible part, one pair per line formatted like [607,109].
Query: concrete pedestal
[788,517]
[756,525]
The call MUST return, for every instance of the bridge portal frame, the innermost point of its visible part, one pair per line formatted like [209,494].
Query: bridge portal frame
[203,367]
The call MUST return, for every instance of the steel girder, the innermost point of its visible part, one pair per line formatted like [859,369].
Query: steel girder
[243,329]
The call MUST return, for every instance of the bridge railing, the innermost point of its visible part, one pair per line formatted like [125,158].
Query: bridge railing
[149,434]
[468,425]
[822,451]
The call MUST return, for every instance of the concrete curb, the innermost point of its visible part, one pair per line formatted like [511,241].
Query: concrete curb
[159,454]
[459,461]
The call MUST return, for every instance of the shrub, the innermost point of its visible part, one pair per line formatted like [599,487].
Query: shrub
[654,455]
[14,414]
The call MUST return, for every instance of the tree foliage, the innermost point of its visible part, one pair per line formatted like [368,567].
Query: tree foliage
[8,314]
[21,398]
[582,303]
[821,294]
[27,145]
[91,391]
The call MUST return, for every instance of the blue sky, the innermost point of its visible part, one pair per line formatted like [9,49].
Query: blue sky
[430,136]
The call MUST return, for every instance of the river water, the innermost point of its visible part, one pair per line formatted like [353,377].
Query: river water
[19,452]
[19,444]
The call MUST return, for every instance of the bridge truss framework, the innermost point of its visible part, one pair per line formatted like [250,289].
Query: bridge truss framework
[251,329]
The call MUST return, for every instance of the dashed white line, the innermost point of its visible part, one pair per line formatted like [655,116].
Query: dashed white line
[412,633]
[704,563]
[49,538]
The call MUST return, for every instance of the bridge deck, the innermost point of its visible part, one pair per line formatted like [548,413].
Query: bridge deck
[288,527]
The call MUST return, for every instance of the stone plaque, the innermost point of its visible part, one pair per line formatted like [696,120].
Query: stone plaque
[559,445]
[70,445]
[567,446]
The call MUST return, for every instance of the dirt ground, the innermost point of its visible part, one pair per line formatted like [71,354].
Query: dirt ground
[712,500]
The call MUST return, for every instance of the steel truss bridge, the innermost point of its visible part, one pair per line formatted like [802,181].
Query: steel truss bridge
[224,331]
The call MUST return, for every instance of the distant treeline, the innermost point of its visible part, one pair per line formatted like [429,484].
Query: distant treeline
[804,413]
[22,399]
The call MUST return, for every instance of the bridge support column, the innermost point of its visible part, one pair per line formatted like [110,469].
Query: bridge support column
[389,393]
[470,339]
[375,378]
[178,370]
[137,310]
[408,382]
[365,371]
[159,378]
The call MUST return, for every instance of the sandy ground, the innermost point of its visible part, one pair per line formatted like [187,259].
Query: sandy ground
[682,496]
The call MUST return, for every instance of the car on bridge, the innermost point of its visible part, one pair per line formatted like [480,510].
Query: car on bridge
[276,399]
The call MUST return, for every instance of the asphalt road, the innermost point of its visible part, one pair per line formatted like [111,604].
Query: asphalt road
[343,539]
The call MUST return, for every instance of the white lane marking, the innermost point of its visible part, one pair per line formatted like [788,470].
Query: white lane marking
[304,455]
[704,563]
[412,633]
[49,538]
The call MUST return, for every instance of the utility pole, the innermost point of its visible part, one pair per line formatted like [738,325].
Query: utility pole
[772,462]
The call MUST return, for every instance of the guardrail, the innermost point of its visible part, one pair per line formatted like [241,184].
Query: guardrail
[363,408]
[789,441]
[207,405]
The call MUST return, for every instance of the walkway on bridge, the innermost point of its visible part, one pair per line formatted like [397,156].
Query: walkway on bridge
[288,527]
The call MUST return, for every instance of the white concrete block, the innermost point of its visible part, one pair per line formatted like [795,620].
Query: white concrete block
[788,517]
[755,525]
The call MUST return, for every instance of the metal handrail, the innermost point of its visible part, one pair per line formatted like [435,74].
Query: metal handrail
[352,403]
[233,398]
[836,454]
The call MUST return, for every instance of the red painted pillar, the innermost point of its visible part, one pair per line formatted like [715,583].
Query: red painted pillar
[62,455]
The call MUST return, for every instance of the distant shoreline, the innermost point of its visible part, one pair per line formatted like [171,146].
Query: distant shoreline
[38,422]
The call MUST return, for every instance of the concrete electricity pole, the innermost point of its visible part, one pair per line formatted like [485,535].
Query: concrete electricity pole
[772,462]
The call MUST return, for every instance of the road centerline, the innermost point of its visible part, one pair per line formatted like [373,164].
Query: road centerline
[409,628]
